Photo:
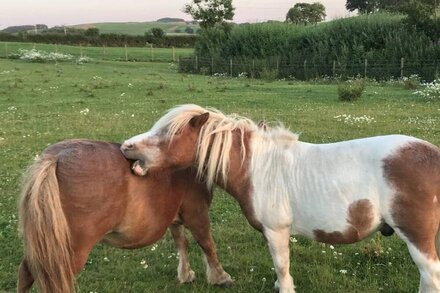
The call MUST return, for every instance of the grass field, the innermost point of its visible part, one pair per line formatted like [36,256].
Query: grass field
[139,28]
[41,104]
[101,53]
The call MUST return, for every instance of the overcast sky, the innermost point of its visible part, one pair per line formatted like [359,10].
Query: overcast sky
[63,12]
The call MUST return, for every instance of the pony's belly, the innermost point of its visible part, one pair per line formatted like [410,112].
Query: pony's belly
[133,238]
[338,224]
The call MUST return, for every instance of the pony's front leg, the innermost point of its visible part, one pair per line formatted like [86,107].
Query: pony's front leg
[278,241]
[184,272]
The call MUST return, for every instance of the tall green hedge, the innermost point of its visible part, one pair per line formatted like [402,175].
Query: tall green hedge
[316,50]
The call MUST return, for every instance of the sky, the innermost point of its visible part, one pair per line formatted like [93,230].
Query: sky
[63,12]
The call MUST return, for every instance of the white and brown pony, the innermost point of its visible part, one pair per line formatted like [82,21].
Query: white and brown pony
[81,192]
[334,193]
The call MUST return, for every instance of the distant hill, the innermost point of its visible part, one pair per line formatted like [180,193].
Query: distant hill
[24,28]
[170,19]
[140,28]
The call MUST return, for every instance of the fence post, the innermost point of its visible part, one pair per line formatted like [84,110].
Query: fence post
[212,65]
[365,67]
[334,68]
[126,53]
[174,55]
[253,68]
[230,64]
[305,69]
[278,65]
[436,69]
[152,52]
[81,49]
[402,64]
[103,49]
[197,63]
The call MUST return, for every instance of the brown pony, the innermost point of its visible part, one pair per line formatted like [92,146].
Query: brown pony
[81,192]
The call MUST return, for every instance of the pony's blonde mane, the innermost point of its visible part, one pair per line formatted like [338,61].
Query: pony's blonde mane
[215,139]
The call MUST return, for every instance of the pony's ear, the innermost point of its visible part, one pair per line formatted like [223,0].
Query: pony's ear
[198,121]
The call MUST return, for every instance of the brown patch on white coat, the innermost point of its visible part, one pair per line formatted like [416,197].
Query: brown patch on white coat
[238,181]
[359,219]
[414,172]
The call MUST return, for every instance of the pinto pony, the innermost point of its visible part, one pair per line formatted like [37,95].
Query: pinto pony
[80,192]
[336,193]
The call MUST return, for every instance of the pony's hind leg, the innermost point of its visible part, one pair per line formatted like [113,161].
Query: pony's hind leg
[419,231]
[25,278]
[184,272]
[429,269]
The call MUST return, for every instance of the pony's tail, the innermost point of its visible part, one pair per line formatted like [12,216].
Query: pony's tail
[47,244]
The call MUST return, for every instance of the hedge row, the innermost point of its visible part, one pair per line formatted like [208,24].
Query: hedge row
[109,40]
[382,39]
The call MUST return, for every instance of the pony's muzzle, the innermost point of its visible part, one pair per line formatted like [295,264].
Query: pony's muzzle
[127,146]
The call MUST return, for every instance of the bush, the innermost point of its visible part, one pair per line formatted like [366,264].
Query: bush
[268,74]
[430,90]
[351,90]
[40,56]
[412,82]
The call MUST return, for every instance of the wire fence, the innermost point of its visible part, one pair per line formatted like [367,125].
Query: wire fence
[276,67]
[269,68]
[130,54]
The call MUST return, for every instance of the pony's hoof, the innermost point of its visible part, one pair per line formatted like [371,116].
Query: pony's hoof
[188,277]
[225,280]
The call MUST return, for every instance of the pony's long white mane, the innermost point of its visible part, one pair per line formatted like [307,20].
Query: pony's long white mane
[215,139]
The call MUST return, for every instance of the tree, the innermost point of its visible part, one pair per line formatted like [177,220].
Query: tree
[157,32]
[363,6]
[210,13]
[92,32]
[305,13]
[189,30]
[422,7]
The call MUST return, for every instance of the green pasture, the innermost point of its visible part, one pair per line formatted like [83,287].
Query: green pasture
[140,28]
[41,104]
[146,53]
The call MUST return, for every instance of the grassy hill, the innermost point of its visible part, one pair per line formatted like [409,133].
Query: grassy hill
[139,28]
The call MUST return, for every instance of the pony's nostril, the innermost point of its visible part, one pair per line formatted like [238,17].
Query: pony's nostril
[127,146]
